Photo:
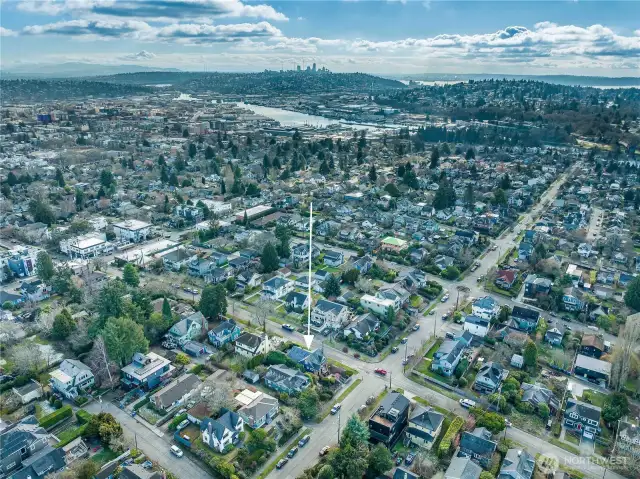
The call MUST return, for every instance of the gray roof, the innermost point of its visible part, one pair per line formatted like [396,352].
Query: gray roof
[479,441]
[259,407]
[492,372]
[593,364]
[426,417]
[324,305]
[216,427]
[174,391]
[41,463]
[517,464]
[31,386]
[583,409]
[249,340]
[536,394]
[287,377]
[463,468]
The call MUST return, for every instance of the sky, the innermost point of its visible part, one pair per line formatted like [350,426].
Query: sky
[600,38]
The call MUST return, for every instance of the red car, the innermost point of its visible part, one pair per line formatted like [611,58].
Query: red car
[381,372]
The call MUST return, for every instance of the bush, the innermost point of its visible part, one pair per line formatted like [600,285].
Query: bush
[177,420]
[55,417]
[83,417]
[462,382]
[197,369]
[57,404]
[556,429]
[447,439]
[80,400]
[142,403]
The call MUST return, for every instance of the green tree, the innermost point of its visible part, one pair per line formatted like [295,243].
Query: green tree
[123,338]
[182,359]
[505,182]
[355,432]
[435,158]
[103,426]
[350,462]
[308,403]
[494,422]
[213,301]
[351,276]
[450,272]
[392,189]
[110,301]
[632,296]
[486,475]
[380,460]
[60,178]
[44,267]
[283,235]
[107,179]
[61,281]
[155,326]
[79,199]
[332,288]
[326,472]
[269,258]
[130,275]
[469,196]
[531,355]
[373,175]
[410,179]
[390,316]
[5,189]
[63,325]
[471,154]
[192,150]
[231,284]
[543,411]
[12,179]
[615,407]
[209,153]
[41,212]
[324,168]
[499,197]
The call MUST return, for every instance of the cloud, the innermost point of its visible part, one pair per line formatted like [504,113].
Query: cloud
[140,56]
[153,10]
[203,34]
[98,29]
[6,32]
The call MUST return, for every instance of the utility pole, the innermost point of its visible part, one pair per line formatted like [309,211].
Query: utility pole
[389,379]
[339,420]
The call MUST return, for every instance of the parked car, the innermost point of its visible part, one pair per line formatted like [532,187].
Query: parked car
[416,326]
[370,400]
[183,424]
[445,298]
[381,372]
[281,463]
[507,423]
[336,408]
[410,457]
[292,452]
[432,312]
[288,327]
[404,340]
[394,349]
[176,451]
[324,451]
[467,403]
[303,442]
[445,316]
[362,408]
[405,361]
[399,460]
[450,335]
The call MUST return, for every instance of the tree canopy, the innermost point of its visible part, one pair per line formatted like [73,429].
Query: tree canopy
[123,338]
[213,301]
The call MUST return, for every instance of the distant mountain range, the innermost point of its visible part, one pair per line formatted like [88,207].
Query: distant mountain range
[569,80]
[74,70]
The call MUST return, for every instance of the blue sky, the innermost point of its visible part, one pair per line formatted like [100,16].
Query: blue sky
[541,37]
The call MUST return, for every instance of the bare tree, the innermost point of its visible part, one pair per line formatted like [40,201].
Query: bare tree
[45,319]
[423,467]
[9,332]
[26,357]
[216,394]
[105,371]
[364,285]
[628,340]
[261,311]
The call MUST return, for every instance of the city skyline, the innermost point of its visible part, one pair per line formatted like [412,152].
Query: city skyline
[579,38]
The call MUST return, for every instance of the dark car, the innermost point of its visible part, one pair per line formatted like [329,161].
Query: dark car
[281,463]
[394,349]
[399,460]
[288,327]
[303,442]
[292,452]
[409,459]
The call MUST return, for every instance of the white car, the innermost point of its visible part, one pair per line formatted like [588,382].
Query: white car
[467,403]
[445,298]
[176,451]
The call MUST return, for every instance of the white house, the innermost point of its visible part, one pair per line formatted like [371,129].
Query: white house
[485,308]
[133,231]
[250,345]
[220,433]
[327,314]
[276,288]
[30,391]
[176,259]
[333,258]
[476,325]
[87,246]
[585,250]
[71,378]
[377,305]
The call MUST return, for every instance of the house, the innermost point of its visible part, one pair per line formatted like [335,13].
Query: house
[136,471]
[300,254]
[582,418]
[276,288]
[146,371]
[485,308]
[629,438]
[312,361]
[395,293]
[530,236]
[327,314]
[199,268]
[517,464]
[176,393]
[27,393]
[363,326]
[25,451]
[71,378]
[198,413]
[224,333]
[524,319]
[239,264]
[377,305]
[132,231]
[296,301]
[363,264]
[517,361]
[536,394]
[223,432]
[592,345]
[490,377]
[188,328]
[333,259]
[286,380]
[35,290]
[585,250]
[250,345]
[389,420]
[248,279]
[476,325]
[462,468]
[572,299]
[250,376]
[467,237]
[402,473]
[447,357]
[424,426]
[443,262]
[13,299]
[535,286]
[506,278]
[525,250]
[257,409]
[194,348]
[178,258]
[478,446]
[394,245]
[554,336]
[321,275]
[592,369]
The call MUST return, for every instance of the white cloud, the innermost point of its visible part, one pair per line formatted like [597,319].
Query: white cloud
[6,32]
[102,29]
[203,34]
[140,56]
[153,10]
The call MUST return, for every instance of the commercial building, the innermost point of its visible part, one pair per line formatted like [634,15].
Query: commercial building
[133,231]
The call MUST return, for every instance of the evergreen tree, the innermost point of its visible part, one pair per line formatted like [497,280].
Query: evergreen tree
[164,176]
[401,171]
[130,275]
[269,258]
[213,301]
[44,267]
[60,178]
[223,187]
[12,179]
[332,288]
[632,296]
[435,158]
[499,197]
[324,168]
[355,433]
[209,153]
[166,310]
[373,176]
[63,325]
[471,154]
[505,182]
[469,199]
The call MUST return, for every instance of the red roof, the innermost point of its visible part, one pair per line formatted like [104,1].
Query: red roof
[507,275]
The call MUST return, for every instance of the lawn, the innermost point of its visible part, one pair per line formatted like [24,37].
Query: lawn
[572,439]
[424,367]
[104,456]
[595,397]
[433,349]
[528,422]
[415,301]
[566,447]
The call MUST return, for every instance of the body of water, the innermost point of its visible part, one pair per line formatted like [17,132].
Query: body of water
[288,117]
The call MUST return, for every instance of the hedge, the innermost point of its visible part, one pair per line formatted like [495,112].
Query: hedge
[197,369]
[83,416]
[55,417]
[176,421]
[142,403]
[80,400]
[70,435]
[445,443]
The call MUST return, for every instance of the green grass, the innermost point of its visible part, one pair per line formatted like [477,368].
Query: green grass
[424,402]
[445,392]
[104,456]
[572,439]
[566,447]
[424,367]
[320,417]
[415,300]
[596,398]
[433,349]
[272,465]
[343,366]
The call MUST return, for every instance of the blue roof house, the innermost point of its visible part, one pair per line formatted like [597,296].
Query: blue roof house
[224,333]
[312,361]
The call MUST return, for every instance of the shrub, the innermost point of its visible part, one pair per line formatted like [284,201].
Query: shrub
[55,417]
[142,403]
[83,416]
[197,369]
[556,429]
[447,439]
[462,382]
[57,404]
[177,420]
[80,400]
